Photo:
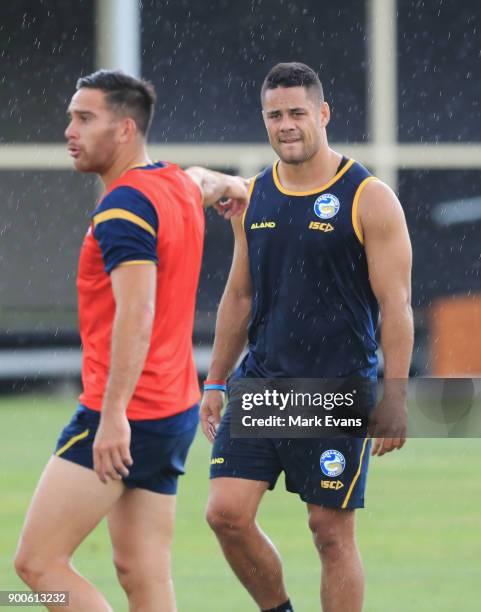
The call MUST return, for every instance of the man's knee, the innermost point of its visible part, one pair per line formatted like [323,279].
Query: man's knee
[134,576]
[332,539]
[127,574]
[27,569]
[228,519]
[32,567]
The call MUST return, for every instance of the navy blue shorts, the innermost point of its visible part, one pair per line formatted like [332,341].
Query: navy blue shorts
[158,447]
[327,472]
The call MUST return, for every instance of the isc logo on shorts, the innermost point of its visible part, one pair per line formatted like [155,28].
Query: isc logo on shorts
[331,484]
[217,460]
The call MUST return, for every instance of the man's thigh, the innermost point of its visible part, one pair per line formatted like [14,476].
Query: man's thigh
[68,503]
[141,526]
[231,498]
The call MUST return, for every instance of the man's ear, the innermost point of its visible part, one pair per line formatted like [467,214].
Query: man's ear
[325,112]
[128,130]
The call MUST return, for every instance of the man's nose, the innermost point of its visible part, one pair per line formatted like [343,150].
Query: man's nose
[69,131]
[287,123]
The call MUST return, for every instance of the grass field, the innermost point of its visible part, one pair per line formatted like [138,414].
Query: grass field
[420,534]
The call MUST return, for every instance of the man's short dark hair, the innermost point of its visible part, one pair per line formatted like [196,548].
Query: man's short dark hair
[293,74]
[125,94]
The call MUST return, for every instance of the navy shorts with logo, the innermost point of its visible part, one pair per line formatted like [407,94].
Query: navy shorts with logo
[158,447]
[328,472]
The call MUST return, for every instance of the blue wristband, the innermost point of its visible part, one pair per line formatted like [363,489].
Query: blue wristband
[212,387]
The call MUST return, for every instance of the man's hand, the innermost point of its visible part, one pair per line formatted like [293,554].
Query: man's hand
[236,202]
[227,194]
[112,447]
[388,425]
[210,409]
[386,445]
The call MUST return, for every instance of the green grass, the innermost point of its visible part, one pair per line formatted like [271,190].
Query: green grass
[420,535]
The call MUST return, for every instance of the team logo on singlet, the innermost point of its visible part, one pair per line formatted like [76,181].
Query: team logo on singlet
[326,206]
[332,463]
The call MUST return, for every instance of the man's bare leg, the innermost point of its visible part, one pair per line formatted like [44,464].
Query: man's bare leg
[231,513]
[141,526]
[342,583]
[69,502]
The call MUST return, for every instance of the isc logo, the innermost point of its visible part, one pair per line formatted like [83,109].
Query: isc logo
[322,227]
[331,484]
[217,460]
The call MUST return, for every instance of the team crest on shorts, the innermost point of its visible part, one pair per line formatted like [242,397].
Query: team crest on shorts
[332,463]
[326,206]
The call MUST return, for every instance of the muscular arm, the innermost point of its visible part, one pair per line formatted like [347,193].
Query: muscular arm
[389,257]
[134,288]
[231,328]
[234,310]
[216,185]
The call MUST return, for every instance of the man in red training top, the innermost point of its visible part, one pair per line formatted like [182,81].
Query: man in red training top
[121,454]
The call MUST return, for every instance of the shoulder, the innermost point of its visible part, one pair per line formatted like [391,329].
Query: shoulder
[263,176]
[127,203]
[259,180]
[263,179]
[355,173]
[379,208]
[377,198]
[125,226]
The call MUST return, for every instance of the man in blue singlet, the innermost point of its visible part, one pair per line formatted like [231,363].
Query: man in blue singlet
[323,249]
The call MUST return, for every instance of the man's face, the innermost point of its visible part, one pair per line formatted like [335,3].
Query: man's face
[294,122]
[94,131]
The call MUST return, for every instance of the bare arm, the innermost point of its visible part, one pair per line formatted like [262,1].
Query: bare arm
[134,293]
[134,290]
[215,186]
[234,310]
[389,257]
[231,328]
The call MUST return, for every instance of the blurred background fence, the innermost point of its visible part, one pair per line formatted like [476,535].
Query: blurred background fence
[401,76]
